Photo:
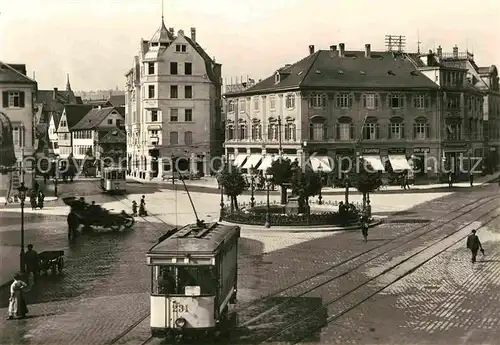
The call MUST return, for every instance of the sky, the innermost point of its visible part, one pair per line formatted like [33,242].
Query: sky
[95,40]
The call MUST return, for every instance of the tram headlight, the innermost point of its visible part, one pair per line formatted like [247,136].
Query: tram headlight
[180,322]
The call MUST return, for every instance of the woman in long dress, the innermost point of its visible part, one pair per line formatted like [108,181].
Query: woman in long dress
[17,303]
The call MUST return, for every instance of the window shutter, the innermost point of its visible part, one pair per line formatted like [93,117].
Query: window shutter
[364,101]
[21,99]
[376,101]
[5,97]
[414,131]
[351,130]
[311,100]
[389,131]
[350,101]
[402,130]
[337,131]
[311,132]
[402,102]
[427,102]
[325,131]
[377,131]
[428,130]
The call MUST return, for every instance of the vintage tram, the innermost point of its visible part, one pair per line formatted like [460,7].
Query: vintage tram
[113,180]
[194,273]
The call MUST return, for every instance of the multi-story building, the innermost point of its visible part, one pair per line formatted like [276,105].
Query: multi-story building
[386,106]
[486,80]
[86,133]
[173,104]
[18,95]
[71,115]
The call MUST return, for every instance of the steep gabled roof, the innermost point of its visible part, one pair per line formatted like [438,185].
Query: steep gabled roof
[117,100]
[93,118]
[75,112]
[114,136]
[9,74]
[210,64]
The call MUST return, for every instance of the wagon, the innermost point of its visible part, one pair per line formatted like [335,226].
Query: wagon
[51,259]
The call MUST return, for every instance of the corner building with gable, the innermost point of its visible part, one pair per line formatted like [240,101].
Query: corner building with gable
[385,106]
[173,106]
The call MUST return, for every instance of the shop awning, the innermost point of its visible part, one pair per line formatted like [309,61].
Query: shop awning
[266,163]
[375,162]
[320,163]
[252,160]
[399,162]
[239,160]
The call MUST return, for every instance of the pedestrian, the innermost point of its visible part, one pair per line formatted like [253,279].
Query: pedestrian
[142,207]
[450,180]
[36,186]
[474,245]
[402,181]
[134,208]
[73,223]
[41,198]
[407,183]
[364,228]
[368,210]
[33,199]
[471,178]
[17,302]
[31,261]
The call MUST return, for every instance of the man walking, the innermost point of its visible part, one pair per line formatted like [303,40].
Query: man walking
[31,261]
[473,244]
[72,225]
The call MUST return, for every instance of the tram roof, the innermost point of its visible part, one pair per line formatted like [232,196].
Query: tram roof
[194,239]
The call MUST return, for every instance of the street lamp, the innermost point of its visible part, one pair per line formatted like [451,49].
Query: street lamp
[252,186]
[221,195]
[22,196]
[268,212]
[320,197]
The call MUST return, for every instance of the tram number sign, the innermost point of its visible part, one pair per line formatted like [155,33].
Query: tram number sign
[179,308]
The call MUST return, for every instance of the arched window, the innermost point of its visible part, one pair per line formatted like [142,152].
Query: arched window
[230,135]
[290,129]
[272,129]
[453,129]
[256,130]
[345,128]
[371,130]
[396,128]
[242,130]
[318,128]
[421,129]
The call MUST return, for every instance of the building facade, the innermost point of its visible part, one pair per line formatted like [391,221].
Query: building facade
[86,133]
[18,96]
[388,107]
[173,104]
[71,115]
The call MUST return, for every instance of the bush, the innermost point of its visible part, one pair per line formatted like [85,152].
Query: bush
[257,216]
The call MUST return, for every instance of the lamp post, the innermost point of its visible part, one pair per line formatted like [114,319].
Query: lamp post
[22,150]
[268,212]
[320,197]
[221,204]
[22,196]
[252,186]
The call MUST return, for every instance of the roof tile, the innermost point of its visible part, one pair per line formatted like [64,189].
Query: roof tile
[93,118]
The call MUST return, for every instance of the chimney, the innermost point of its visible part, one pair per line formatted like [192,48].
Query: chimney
[333,48]
[368,51]
[342,50]
[193,34]
[311,49]
[440,51]
[54,94]
[455,52]
[171,30]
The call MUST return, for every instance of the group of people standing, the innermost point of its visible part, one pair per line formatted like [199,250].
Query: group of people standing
[37,197]
[142,208]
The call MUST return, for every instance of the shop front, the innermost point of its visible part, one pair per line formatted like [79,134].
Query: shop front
[372,156]
[492,159]
[418,163]
[455,161]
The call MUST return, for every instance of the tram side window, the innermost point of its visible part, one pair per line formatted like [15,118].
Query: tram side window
[173,280]
[121,175]
[164,282]
[113,175]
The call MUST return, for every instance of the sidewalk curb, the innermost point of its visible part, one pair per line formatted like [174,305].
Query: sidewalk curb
[295,229]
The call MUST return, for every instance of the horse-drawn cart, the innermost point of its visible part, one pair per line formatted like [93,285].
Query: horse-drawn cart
[51,260]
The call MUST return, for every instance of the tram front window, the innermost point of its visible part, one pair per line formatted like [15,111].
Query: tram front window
[174,279]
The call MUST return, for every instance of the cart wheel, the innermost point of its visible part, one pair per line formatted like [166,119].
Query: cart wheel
[60,265]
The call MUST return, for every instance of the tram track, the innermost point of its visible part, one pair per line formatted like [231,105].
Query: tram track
[414,235]
[442,219]
[363,291]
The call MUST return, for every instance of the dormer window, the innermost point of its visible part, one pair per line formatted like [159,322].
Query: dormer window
[277,78]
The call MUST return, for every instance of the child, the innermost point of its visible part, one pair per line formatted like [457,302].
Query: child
[134,208]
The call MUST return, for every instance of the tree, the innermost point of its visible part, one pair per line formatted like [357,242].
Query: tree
[233,183]
[365,179]
[282,172]
[306,184]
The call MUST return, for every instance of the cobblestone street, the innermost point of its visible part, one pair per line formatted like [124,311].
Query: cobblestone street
[104,287]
